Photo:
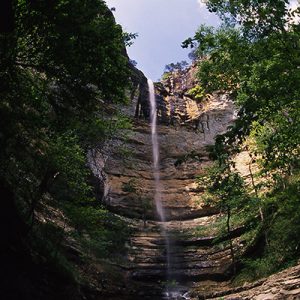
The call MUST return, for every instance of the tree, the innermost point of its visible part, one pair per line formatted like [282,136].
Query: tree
[59,64]
[257,18]
[254,57]
[129,37]
[225,189]
[179,66]
[58,70]
[259,71]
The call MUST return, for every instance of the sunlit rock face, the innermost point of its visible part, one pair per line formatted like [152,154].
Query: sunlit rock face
[182,103]
[186,126]
[283,285]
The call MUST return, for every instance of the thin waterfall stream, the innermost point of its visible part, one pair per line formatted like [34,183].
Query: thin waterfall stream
[155,153]
[156,170]
[169,293]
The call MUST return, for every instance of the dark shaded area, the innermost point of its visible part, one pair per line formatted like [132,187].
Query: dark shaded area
[6,16]
[24,274]
[12,227]
[139,82]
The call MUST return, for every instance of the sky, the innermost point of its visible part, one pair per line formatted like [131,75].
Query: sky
[162,25]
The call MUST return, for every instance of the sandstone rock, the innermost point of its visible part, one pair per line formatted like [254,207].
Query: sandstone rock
[186,127]
[283,285]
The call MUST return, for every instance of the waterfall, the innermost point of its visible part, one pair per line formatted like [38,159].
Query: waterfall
[155,153]
[156,170]
[170,293]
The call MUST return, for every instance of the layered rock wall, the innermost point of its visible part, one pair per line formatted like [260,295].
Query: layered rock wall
[183,138]
[187,125]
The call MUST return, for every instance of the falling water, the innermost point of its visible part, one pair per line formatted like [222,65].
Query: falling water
[155,153]
[156,171]
[169,294]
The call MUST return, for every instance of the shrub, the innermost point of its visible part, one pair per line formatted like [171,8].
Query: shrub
[196,92]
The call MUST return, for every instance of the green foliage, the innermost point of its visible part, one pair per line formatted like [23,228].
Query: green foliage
[179,66]
[67,156]
[100,231]
[257,268]
[58,71]
[254,57]
[91,41]
[203,41]
[146,204]
[128,39]
[59,65]
[261,74]
[284,224]
[46,243]
[173,67]
[257,18]
[212,229]
[124,152]
[166,75]
[196,92]
[224,187]
[130,186]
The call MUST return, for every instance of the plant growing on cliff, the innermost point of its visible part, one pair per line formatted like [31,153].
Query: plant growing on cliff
[166,75]
[100,231]
[129,186]
[197,92]
[173,67]
[128,41]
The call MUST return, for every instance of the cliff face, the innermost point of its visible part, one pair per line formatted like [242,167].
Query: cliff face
[186,126]
[182,102]
[188,122]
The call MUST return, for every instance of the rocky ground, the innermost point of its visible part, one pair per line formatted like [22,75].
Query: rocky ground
[283,285]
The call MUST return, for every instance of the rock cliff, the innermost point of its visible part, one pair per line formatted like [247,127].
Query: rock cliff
[187,124]
[283,285]
[186,127]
